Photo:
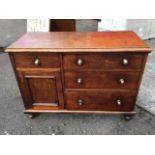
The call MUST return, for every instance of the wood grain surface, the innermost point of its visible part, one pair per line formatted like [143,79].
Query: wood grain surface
[51,85]
[100,100]
[79,41]
[103,61]
[100,80]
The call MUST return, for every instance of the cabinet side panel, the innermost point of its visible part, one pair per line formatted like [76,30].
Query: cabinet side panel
[142,72]
[11,55]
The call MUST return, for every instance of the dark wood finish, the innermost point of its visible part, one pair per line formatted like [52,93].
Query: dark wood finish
[41,89]
[121,41]
[104,61]
[62,78]
[30,111]
[100,80]
[20,85]
[56,83]
[100,100]
[27,60]
[62,25]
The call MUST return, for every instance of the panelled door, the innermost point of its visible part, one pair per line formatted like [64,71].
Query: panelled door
[42,90]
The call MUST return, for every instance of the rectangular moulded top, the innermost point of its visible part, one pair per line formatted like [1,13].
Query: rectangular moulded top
[111,41]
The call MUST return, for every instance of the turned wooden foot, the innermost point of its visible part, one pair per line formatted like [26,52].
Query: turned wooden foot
[32,116]
[128,117]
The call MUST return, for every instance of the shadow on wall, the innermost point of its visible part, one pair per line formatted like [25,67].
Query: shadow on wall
[11,30]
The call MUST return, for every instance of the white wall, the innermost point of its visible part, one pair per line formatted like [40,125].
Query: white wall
[145,28]
[112,24]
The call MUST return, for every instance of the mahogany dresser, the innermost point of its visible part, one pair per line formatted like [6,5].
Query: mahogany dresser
[79,72]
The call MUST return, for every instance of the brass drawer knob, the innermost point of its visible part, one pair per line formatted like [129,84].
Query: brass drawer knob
[80,102]
[119,102]
[79,80]
[121,81]
[79,62]
[37,62]
[125,61]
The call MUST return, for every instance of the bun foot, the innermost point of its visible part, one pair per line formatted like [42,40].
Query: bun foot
[128,117]
[32,116]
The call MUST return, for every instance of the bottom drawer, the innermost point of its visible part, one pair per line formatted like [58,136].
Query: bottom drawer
[100,100]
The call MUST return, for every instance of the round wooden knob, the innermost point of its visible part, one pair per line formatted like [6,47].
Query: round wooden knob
[80,102]
[125,61]
[79,62]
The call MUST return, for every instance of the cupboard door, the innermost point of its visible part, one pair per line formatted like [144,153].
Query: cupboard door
[42,90]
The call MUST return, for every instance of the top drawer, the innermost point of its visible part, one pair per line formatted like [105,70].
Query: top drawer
[36,60]
[104,61]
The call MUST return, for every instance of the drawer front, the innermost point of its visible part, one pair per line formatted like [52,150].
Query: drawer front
[102,80]
[36,60]
[100,100]
[103,61]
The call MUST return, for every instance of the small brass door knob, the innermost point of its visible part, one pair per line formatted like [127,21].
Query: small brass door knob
[125,61]
[80,102]
[121,81]
[119,102]
[36,61]
[79,62]
[79,80]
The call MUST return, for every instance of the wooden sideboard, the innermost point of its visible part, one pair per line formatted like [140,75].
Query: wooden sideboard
[79,72]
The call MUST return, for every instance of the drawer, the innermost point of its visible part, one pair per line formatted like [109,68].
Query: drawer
[36,60]
[102,79]
[100,100]
[104,61]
